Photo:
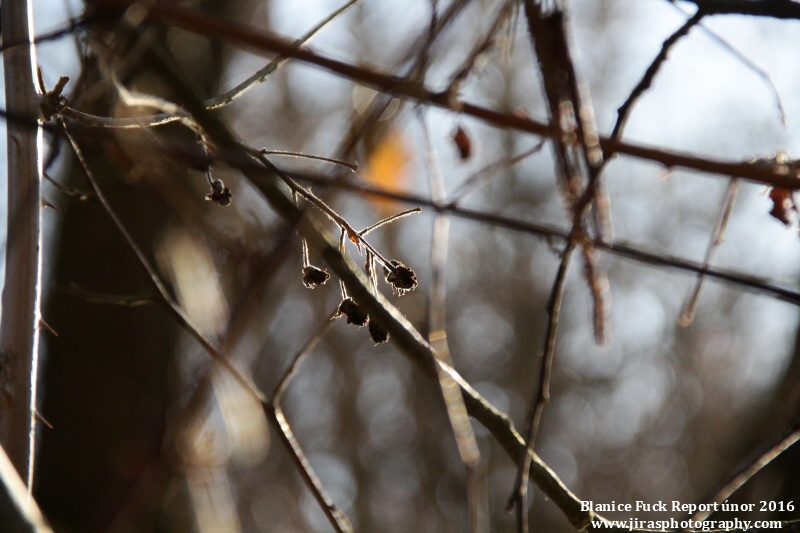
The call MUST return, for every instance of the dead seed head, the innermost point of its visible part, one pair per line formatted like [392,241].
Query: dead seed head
[355,313]
[313,276]
[220,194]
[402,279]
[378,333]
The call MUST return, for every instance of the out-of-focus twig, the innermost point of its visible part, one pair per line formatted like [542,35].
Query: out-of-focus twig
[481,47]
[579,164]
[74,289]
[486,173]
[19,511]
[717,238]
[437,337]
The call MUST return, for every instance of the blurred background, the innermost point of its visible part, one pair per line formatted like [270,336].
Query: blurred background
[662,412]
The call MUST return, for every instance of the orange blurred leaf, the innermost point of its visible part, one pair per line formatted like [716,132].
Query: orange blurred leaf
[386,165]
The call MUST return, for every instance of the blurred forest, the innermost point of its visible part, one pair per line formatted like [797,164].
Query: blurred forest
[582,168]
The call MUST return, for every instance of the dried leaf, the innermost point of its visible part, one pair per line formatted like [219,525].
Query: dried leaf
[463,143]
[783,205]
[354,238]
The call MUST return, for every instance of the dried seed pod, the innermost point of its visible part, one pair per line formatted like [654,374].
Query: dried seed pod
[402,279]
[313,276]
[220,194]
[378,333]
[355,313]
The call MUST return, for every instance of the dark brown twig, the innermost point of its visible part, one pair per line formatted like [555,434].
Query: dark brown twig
[780,9]
[518,499]
[747,62]
[275,413]
[579,163]
[335,515]
[649,75]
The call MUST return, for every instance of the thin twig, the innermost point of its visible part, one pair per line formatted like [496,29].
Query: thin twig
[110,299]
[317,202]
[624,110]
[747,62]
[748,472]
[275,413]
[83,196]
[351,166]
[335,515]
[480,48]
[779,176]
[389,220]
[299,358]
[519,496]
[172,306]
[160,119]
[717,238]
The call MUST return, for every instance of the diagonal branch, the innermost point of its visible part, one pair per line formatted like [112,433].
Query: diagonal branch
[169,303]
[649,75]
[749,471]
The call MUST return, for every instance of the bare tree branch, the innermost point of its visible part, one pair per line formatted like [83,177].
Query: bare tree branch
[780,9]
[649,75]
[19,331]
[778,176]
